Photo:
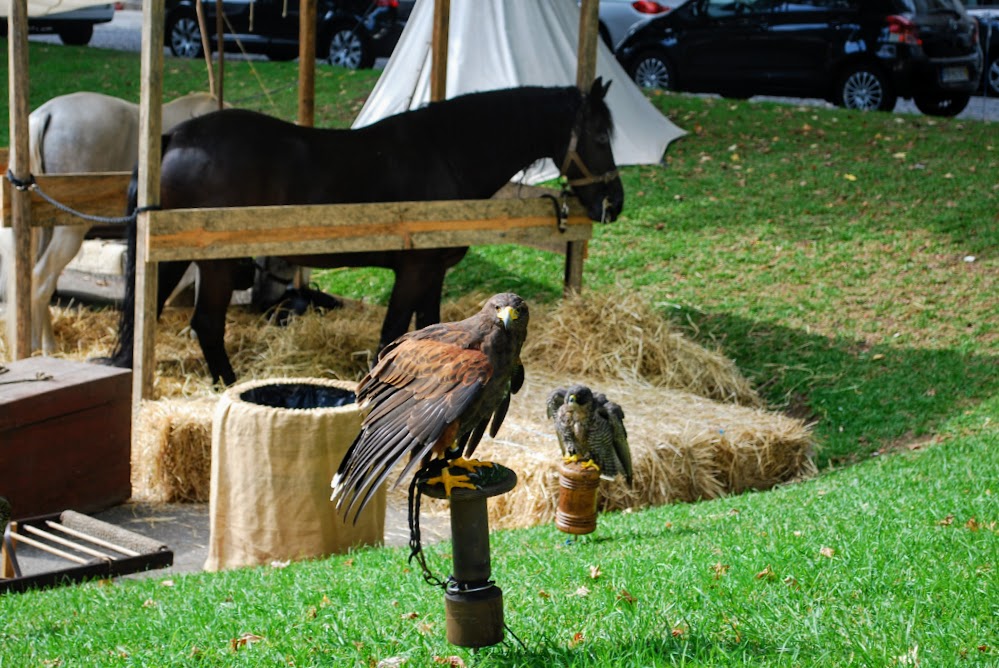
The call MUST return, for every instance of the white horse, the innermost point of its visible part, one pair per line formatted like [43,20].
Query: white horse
[79,132]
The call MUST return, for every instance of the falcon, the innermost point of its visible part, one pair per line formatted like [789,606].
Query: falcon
[590,428]
[431,395]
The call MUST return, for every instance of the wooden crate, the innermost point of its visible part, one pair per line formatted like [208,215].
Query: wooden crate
[64,441]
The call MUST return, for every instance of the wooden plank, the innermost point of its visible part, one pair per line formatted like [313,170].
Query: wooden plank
[99,194]
[4,157]
[303,230]
[17,57]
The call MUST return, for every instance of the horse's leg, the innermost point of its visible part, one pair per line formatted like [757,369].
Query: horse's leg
[419,279]
[214,294]
[63,247]
[168,278]
[7,286]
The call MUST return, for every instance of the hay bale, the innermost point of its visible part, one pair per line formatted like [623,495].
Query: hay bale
[684,448]
[172,451]
[696,427]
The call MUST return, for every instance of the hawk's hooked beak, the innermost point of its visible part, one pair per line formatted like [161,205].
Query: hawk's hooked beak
[507,314]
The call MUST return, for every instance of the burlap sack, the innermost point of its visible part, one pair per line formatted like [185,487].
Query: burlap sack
[270,476]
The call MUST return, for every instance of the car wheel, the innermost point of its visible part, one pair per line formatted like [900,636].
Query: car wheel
[942,105]
[652,70]
[992,78]
[349,48]
[76,35]
[184,36]
[865,88]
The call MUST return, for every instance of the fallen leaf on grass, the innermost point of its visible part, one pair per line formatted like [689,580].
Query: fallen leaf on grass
[244,640]
[455,661]
[972,524]
[582,591]
[594,572]
[543,594]
[850,177]
[577,638]
[392,662]
[625,596]
[720,569]
[827,552]
[947,521]
[766,574]
[409,615]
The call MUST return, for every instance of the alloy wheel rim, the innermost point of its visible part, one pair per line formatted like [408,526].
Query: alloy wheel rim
[993,77]
[185,38]
[652,73]
[345,49]
[863,91]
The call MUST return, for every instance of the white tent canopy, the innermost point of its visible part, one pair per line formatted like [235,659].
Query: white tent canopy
[505,43]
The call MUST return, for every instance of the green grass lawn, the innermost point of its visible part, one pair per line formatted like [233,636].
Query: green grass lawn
[846,262]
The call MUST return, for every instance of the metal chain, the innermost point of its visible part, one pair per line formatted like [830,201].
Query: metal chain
[415,545]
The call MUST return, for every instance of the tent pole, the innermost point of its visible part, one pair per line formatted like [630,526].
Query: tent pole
[150,130]
[438,50]
[20,167]
[586,69]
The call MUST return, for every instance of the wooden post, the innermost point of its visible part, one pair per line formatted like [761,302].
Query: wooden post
[586,68]
[307,63]
[220,41]
[20,167]
[150,124]
[206,46]
[438,50]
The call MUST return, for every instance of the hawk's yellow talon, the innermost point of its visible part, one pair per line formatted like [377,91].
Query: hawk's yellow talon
[570,459]
[590,464]
[471,465]
[451,481]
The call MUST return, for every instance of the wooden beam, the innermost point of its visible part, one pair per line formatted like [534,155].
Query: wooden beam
[307,63]
[99,194]
[438,50]
[150,130]
[185,234]
[586,69]
[20,167]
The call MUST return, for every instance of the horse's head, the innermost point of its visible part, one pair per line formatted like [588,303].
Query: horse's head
[589,161]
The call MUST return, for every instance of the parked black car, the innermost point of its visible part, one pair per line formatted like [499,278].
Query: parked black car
[859,54]
[349,33]
[988,31]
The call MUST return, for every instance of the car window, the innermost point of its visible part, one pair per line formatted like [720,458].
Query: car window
[929,6]
[815,5]
[727,8]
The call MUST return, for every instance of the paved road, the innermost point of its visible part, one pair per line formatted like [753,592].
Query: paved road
[124,33]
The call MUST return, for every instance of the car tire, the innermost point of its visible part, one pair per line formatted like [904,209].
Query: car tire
[282,53]
[77,35]
[651,69]
[350,48]
[942,105]
[184,36]
[991,77]
[866,88]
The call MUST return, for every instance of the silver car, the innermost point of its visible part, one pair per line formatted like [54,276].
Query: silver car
[74,27]
[618,18]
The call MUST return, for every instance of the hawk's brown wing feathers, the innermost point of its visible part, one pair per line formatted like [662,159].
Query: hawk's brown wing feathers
[417,389]
[430,389]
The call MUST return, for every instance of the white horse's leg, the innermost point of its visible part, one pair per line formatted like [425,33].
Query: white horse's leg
[65,244]
[7,285]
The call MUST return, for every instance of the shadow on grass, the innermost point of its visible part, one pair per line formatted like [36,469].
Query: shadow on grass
[676,646]
[862,399]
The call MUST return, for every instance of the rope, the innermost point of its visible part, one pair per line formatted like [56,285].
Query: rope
[30,185]
[39,376]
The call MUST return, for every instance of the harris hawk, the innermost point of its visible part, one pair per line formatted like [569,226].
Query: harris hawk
[431,395]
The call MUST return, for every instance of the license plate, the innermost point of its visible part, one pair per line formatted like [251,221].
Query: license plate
[954,74]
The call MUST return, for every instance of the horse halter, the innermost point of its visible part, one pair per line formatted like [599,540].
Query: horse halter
[572,157]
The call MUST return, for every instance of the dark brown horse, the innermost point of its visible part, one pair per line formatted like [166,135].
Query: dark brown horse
[464,148]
